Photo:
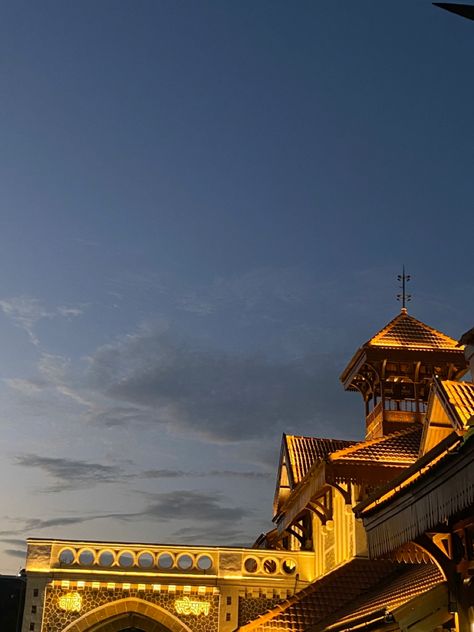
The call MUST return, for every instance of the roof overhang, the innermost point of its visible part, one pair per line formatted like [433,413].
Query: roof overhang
[368,354]
[435,488]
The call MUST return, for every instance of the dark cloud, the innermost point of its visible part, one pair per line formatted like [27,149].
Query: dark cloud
[217,396]
[14,542]
[212,473]
[179,505]
[35,524]
[16,552]
[71,473]
[28,525]
[190,505]
[221,534]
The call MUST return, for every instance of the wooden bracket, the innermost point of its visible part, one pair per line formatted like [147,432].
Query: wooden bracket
[346,494]
[322,510]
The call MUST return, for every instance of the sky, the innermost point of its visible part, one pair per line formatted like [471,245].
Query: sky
[204,207]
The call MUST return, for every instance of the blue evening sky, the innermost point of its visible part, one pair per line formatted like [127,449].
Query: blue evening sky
[204,206]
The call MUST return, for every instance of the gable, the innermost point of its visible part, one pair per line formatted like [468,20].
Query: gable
[450,408]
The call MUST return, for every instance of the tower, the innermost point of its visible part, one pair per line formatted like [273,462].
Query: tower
[394,369]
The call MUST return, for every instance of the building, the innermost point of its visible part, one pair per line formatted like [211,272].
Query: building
[342,555]
[12,594]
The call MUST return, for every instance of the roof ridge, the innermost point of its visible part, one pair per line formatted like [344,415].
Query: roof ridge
[318,438]
[370,442]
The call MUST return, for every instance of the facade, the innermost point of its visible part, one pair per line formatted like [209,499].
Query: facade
[77,586]
[360,527]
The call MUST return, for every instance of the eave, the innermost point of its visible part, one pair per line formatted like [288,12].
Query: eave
[427,497]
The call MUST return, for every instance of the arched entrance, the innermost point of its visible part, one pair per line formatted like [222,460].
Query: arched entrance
[128,615]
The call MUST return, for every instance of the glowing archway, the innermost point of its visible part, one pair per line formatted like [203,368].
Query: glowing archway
[123,613]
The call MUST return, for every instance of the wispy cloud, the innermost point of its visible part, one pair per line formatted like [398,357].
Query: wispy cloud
[165,473]
[31,525]
[207,509]
[25,312]
[21,553]
[18,547]
[70,473]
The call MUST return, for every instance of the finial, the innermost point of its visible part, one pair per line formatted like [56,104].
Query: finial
[404,297]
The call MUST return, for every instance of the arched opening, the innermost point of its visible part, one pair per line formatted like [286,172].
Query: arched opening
[128,615]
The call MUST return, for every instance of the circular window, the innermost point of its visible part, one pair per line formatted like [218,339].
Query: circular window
[204,563]
[86,557]
[126,559]
[66,557]
[251,565]
[289,566]
[165,560]
[106,558]
[185,562]
[146,560]
[269,566]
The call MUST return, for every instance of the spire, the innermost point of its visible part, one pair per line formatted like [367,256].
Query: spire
[403,297]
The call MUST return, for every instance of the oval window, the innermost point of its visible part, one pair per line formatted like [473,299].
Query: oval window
[251,565]
[66,557]
[269,566]
[126,559]
[165,560]
[146,560]
[106,558]
[86,557]
[204,563]
[185,562]
[289,566]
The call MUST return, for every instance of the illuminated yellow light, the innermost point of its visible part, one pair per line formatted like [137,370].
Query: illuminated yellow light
[156,587]
[70,602]
[96,585]
[126,586]
[192,606]
[81,585]
[65,583]
[186,589]
[111,586]
[202,590]
[171,588]
[141,587]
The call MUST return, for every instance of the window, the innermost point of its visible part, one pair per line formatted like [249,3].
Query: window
[33,609]
[35,592]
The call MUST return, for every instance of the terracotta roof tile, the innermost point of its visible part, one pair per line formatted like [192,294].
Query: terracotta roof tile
[304,451]
[407,332]
[461,397]
[325,596]
[400,447]
[408,584]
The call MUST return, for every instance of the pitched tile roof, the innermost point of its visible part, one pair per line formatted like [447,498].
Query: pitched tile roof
[304,451]
[407,332]
[400,447]
[411,582]
[326,596]
[460,396]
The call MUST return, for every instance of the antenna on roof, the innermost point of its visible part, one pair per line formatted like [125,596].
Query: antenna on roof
[403,297]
